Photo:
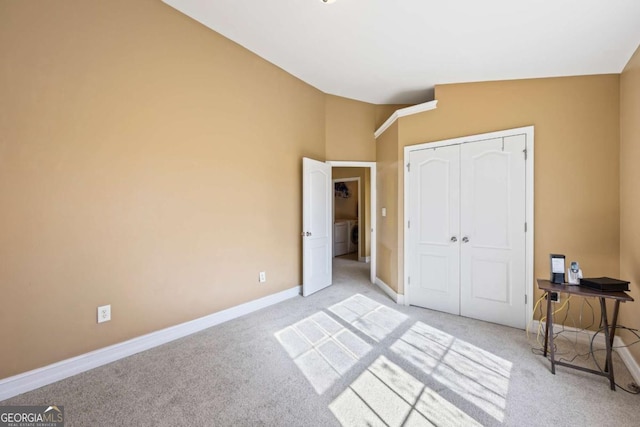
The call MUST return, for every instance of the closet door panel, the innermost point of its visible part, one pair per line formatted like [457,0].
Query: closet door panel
[492,249]
[434,185]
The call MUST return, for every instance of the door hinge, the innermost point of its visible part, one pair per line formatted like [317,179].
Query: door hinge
[525,153]
[409,280]
[408,224]
[408,167]
[525,227]
[525,298]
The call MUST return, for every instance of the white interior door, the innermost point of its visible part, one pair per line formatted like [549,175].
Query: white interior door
[434,186]
[316,226]
[492,224]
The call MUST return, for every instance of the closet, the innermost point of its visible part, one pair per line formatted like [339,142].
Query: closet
[466,231]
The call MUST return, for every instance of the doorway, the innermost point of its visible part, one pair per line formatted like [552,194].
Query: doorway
[354,212]
[317,235]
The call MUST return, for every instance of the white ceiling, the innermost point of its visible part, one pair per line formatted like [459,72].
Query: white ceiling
[395,51]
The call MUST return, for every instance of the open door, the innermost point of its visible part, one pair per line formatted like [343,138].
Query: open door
[316,226]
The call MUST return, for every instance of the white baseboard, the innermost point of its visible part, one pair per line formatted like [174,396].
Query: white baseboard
[629,361]
[366,259]
[27,381]
[396,297]
[584,336]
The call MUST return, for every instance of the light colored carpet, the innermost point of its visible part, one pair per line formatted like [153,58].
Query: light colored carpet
[346,355]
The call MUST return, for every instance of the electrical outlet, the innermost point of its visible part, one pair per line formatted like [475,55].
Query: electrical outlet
[262,277]
[104,313]
[555,296]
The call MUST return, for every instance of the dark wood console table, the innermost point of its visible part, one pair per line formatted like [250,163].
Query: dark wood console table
[609,330]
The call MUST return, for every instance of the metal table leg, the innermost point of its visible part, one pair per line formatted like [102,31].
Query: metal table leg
[548,338]
[608,342]
[614,323]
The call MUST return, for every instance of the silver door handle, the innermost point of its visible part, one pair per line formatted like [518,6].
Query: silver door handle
[308,233]
[465,239]
[454,239]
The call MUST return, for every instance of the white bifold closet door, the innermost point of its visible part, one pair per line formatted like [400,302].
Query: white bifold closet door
[467,229]
[434,228]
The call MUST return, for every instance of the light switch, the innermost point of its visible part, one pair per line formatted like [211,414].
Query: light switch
[384,211]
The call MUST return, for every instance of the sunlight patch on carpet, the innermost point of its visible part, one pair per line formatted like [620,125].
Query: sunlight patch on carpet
[480,377]
[322,348]
[368,316]
[385,394]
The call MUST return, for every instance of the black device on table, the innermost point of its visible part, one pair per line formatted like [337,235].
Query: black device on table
[557,268]
[604,284]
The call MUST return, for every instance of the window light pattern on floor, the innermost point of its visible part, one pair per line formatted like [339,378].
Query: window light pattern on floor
[369,317]
[480,377]
[386,395]
[322,348]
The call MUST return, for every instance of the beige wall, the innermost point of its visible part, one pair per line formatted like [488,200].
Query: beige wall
[148,163]
[145,162]
[365,230]
[387,197]
[576,160]
[348,129]
[349,125]
[629,194]
[365,199]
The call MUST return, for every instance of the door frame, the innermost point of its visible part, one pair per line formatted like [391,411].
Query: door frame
[333,206]
[529,138]
[373,206]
